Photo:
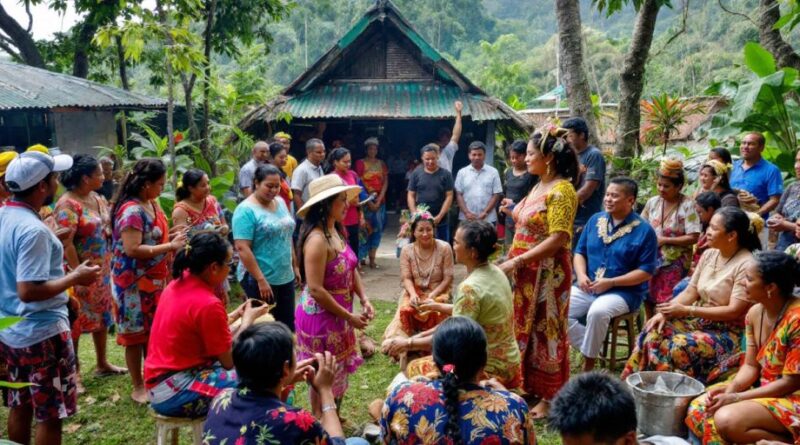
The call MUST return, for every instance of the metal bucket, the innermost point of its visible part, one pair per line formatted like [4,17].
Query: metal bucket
[662,399]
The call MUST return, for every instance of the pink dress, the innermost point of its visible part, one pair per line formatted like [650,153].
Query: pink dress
[318,330]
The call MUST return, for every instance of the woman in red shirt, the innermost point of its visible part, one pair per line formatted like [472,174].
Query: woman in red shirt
[189,357]
[339,162]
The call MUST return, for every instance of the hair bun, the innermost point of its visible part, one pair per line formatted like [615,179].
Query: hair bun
[756,222]
[670,167]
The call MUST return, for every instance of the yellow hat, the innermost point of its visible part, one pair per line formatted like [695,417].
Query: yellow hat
[40,148]
[5,158]
[283,135]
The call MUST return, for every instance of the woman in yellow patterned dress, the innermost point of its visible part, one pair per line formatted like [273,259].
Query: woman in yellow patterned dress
[737,412]
[540,265]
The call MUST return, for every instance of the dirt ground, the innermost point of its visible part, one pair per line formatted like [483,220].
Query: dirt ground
[384,283]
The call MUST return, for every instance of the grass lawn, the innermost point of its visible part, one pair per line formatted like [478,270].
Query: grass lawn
[106,414]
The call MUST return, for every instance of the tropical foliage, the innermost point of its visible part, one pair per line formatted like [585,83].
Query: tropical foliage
[663,115]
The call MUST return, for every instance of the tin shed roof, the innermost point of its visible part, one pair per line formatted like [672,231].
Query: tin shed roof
[25,87]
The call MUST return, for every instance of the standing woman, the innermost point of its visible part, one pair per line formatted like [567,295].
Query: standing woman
[339,162]
[198,210]
[262,231]
[279,155]
[141,249]
[540,265]
[674,218]
[324,319]
[374,175]
[86,214]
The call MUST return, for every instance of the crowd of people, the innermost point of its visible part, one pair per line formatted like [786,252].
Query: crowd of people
[480,359]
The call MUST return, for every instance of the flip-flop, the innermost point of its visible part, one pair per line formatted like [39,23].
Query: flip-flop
[374,266]
[111,372]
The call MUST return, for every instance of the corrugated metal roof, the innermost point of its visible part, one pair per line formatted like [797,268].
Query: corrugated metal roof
[394,100]
[26,87]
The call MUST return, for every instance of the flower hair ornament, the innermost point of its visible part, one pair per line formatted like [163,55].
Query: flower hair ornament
[422,214]
[670,168]
[557,133]
[449,368]
[756,222]
[719,168]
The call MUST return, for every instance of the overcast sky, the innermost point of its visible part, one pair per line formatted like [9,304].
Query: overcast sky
[45,21]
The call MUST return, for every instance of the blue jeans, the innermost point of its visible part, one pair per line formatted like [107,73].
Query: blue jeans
[443,231]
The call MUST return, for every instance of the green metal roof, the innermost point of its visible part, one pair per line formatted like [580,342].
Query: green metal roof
[25,87]
[391,100]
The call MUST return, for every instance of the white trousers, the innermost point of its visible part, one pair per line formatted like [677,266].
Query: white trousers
[598,310]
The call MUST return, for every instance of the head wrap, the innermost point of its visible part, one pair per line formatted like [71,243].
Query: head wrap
[282,135]
[719,168]
[670,168]
[756,222]
[554,131]
[5,158]
[40,148]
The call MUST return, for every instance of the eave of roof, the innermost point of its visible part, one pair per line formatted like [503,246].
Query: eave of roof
[24,87]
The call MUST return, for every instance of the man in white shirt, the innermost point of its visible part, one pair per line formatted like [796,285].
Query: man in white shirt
[478,187]
[448,141]
[248,170]
[308,170]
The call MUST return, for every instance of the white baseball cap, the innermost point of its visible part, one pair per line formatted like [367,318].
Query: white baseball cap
[31,167]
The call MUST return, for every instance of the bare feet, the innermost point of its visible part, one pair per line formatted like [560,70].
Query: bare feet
[108,369]
[79,388]
[375,407]
[139,395]
[541,410]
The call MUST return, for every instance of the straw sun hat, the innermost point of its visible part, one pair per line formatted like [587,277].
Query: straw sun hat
[323,188]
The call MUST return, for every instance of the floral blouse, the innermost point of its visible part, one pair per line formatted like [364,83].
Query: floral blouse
[415,413]
[681,221]
[242,416]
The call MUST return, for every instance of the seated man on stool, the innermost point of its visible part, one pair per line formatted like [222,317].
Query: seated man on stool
[614,260]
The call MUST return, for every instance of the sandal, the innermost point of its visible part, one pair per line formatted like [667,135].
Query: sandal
[115,370]
[374,266]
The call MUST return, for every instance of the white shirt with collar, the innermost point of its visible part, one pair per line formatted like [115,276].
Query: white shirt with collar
[477,187]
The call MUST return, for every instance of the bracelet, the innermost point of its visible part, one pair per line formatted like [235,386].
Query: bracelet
[737,397]
[326,408]
[410,342]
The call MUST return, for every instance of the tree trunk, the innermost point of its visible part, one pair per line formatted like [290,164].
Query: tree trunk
[188,88]
[205,143]
[19,38]
[83,42]
[771,39]
[123,78]
[631,85]
[570,52]
[164,21]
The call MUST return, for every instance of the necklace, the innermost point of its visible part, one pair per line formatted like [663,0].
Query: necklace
[774,324]
[425,274]
[602,230]
[716,269]
[666,215]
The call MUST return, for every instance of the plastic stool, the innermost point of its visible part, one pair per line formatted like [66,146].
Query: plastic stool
[167,429]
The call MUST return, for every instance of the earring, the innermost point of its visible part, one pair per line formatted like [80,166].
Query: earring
[548,169]
[769,294]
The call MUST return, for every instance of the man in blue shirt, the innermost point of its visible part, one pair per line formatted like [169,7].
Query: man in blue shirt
[757,175]
[38,349]
[614,260]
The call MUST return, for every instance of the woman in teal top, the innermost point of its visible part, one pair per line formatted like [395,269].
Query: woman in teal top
[262,229]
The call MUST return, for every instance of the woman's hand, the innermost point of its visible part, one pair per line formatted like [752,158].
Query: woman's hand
[508,266]
[251,314]
[656,322]
[433,306]
[505,204]
[358,321]
[367,309]
[178,240]
[304,370]
[237,313]
[414,299]
[395,346]
[716,399]
[324,374]
[672,309]
[265,290]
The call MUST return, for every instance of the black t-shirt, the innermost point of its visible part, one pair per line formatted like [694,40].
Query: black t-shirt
[518,186]
[430,188]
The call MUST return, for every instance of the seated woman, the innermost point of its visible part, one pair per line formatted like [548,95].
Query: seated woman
[705,204]
[699,332]
[455,408]
[485,296]
[426,268]
[265,363]
[189,352]
[763,401]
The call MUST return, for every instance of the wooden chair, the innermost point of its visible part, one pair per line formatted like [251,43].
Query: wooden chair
[628,324]
[168,428]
